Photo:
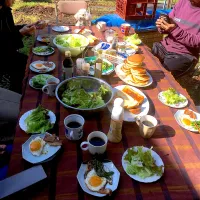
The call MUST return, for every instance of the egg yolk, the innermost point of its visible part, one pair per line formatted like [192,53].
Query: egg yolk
[95,181]
[35,146]
[186,121]
[39,65]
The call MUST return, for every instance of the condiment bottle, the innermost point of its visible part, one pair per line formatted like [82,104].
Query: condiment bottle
[114,42]
[98,67]
[117,117]
[68,65]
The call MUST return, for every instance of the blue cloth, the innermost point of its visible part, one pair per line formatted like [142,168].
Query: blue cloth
[4,169]
[138,25]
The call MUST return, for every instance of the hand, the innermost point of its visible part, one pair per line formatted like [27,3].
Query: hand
[162,24]
[27,30]
[41,24]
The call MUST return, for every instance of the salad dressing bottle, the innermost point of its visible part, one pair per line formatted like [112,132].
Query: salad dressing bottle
[68,66]
[117,117]
[98,67]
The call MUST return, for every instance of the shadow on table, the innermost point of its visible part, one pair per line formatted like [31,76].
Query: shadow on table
[164,131]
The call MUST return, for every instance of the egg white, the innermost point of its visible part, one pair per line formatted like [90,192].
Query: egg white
[184,116]
[91,187]
[38,152]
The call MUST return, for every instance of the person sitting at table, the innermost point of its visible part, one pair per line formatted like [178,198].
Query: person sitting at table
[12,62]
[180,49]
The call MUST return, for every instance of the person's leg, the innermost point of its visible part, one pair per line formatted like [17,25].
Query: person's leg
[159,51]
[177,63]
[17,72]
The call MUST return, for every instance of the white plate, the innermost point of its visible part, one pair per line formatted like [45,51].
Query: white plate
[45,36]
[111,167]
[122,76]
[60,28]
[23,125]
[28,156]
[41,71]
[31,80]
[179,105]
[128,116]
[46,53]
[158,162]
[85,31]
[180,113]
[91,72]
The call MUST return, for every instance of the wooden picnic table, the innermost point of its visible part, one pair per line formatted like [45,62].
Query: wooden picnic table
[178,148]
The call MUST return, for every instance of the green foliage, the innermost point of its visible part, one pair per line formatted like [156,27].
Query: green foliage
[28,43]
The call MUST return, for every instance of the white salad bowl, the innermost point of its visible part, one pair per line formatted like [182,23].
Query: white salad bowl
[75,51]
[89,84]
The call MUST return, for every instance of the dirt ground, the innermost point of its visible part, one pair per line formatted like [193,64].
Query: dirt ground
[190,82]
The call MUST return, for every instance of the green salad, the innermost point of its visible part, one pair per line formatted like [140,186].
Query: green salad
[43,49]
[141,163]
[76,96]
[133,39]
[105,66]
[40,80]
[196,125]
[38,121]
[172,97]
[71,40]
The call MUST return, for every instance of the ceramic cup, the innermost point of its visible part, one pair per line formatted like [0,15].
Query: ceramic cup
[96,143]
[101,25]
[74,126]
[50,86]
[147,125]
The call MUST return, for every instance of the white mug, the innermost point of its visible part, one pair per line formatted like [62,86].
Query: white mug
[74,126]
[95,148]
[50,86]
[147,125]
[101,25]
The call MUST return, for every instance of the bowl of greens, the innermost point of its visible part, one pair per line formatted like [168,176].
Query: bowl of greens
[84,93]
[75,43]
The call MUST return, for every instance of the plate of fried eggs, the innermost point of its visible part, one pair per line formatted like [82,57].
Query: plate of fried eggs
[95,185]
[40,66]
[36,150]
[186,117]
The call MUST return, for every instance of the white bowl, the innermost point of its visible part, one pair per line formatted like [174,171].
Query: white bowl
[75,51]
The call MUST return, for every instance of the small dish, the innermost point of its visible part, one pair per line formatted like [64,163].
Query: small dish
[110,166]
[43,50]
[51,66]
[43,38]
[22,124]
[178,105]
[47,76]
[49,151]
[158,162]
[180,113]
[60,28]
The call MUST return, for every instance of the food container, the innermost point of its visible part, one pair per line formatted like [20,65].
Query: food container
[125,28]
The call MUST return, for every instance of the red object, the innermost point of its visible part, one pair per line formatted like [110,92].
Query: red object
[178,148]
[125,28]
[136,9]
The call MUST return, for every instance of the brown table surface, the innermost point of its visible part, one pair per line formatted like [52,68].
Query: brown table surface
[178,148]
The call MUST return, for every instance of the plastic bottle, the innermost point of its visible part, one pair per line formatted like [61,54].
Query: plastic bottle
[117,117]
[68,65]
[98,67]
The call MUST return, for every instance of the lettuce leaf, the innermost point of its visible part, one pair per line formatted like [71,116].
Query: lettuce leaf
[133,39]
[141,163]
[38,121]
[40,80]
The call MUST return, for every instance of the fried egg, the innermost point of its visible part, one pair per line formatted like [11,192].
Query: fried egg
[39,66]
[94,182]
[36,146]
[186,120]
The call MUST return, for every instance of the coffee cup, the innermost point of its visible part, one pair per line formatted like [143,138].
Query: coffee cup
[101,25]
[50,86]
[147,125]
[96,143]
[74,126]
